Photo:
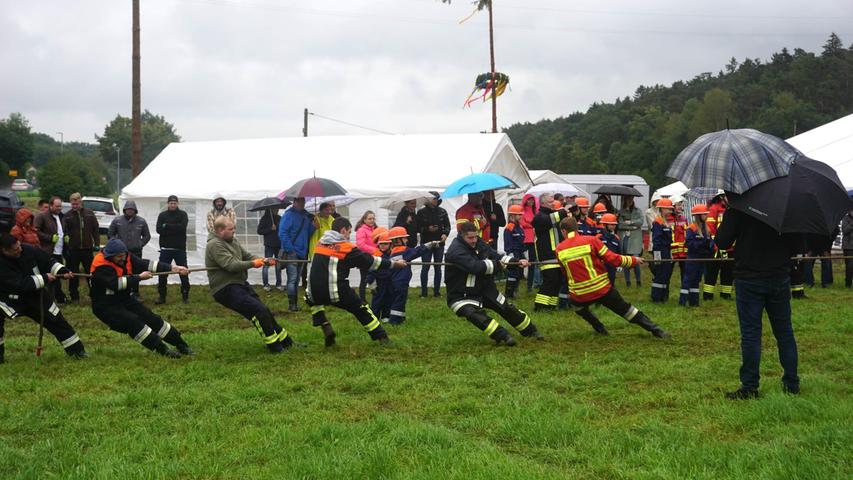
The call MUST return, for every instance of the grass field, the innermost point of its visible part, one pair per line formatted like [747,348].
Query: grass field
[443,403]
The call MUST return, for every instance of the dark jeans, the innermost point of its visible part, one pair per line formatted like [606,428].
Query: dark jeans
[848,268]
[294,272]
[431,256]
[825,271]
[75,258]
[270,252]
[754,296]
[167,255]
[532,270]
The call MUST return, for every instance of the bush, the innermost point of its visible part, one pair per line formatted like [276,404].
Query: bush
[64,175]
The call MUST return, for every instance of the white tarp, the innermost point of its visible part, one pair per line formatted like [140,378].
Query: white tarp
[370,168]
[832,144]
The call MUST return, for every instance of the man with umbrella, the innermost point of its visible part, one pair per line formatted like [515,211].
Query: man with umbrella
[294,232]
[495,213]
[172,228]
[473,212]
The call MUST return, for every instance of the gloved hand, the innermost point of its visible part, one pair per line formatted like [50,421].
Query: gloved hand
[54,238]
[66,239]
[271,261]
[258,263]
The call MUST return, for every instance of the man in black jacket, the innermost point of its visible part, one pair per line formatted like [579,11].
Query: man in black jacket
[172,227]
[471,287]
[761,283]
[408,219]
[268,228]
[497,219]
[434,225]
[546,224]
[25,275]
[81,230]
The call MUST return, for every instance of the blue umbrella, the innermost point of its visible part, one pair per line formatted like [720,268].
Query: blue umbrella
[733,160]
[477,182]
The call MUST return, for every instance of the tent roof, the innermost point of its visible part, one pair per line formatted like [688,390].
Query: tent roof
[605,179]
[832,144]
[366,165]
[546,176]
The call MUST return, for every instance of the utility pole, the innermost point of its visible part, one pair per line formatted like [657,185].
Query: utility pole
[492,56]
[61,142]
[305,123]
[136,118]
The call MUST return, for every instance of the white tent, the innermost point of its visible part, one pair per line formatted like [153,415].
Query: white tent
[676,188]
[831,144]
[370,168]
[545,176]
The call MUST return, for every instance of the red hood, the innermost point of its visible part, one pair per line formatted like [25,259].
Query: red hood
[528,213]
[22,216]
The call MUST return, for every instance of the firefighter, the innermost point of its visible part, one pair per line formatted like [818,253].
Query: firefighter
[26,273]
[610,240]
[725,270]
[471,287]
[381,302]
[582,259]
[698,242]
[227,262]
[678,249]
[598,212]
[401,277]
[586,226]
[546,224]
[514,245]
[661,250]
[114,276]
[328,281]
[474,212]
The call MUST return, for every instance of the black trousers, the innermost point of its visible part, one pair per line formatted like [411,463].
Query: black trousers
[549,292]
[474,310]
[75,258]
[848,268]
[138,322]
[135,288]
[243,300]
[725,270]
[54,321]
[352,303]
[167,255]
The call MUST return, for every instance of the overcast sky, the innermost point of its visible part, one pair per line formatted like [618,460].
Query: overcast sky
[225,69]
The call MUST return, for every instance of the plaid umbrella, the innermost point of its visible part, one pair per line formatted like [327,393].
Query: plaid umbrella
[733,160]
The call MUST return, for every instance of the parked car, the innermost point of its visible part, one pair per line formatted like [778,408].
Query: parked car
[66,207]
[21,184]
[9,206]
[104,210]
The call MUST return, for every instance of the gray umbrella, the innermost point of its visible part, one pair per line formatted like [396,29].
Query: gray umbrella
[733,160]
[269,202]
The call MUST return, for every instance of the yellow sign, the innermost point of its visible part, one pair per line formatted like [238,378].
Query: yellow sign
[13,173]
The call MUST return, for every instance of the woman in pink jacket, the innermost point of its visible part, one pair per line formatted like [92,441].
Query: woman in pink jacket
[530,203]
[364,241]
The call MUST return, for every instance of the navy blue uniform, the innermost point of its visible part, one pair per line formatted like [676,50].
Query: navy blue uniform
[699,245]
[514,245]
[612,242]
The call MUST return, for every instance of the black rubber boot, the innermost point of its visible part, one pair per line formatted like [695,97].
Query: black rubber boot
[185,349]
[165,351]
[593,321]
[645,322]
[275,347]
[502,337]
[293,306]
[185,297]
[160,301]
[328,334]
[510,290]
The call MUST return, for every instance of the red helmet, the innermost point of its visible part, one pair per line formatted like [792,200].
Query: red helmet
[700,209]
[377,232]
[382,238]
[599,208]
[609,219]
[516,210]
[664,203]
[557,205]
[397,232]
[582,202]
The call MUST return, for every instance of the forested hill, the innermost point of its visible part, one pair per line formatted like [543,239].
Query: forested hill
[789,94]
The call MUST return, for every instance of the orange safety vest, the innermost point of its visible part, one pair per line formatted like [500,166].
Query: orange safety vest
[100,260]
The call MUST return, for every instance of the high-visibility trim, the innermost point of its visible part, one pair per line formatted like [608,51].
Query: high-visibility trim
[798,288]
[631,313]
[143,334]
[377,262]
[490,267]
[564,295]
[56,268]
[107,291]
[152,265]
[9,311]
[542,299]
[555,217]
[490,329]
[511,280]
[397,313]
[684,291]
[694,290]
[13,297]
[269,339]
[470,280]
[70,341]
[524,323]
[659,285]
[602,283]
[627,261]
[708,288]
[726,288]
[602,251]
[553,301]
[122,284]
[500,298]
[333,279]
[549,266]
[282,335]
[53,309]
[38,281]
[373,325]
[164,330]
[455,306]
[317,309]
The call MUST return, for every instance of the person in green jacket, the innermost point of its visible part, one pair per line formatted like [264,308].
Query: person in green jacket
[228,262]
[630,228]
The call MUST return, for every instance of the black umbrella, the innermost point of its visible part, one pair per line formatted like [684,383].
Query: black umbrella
[810,199]
[618,190]
[269,202]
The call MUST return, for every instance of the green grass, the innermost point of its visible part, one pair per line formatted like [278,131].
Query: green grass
[444,403]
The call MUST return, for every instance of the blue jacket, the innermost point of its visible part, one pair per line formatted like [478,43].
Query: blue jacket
[698,245]
[294,231]
[514,240]
[661,238]
[611,241]
[404,275]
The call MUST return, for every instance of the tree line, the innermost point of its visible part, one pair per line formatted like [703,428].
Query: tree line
[642,134]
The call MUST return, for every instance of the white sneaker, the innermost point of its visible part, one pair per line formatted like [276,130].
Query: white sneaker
[384,320]
[281,288]
[267,288]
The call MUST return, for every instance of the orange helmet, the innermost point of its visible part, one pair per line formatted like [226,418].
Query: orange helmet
[397,232]
[377,232]
[382,238]
[516,210]
[599,208]
[557,205]
[664,203]
[582,202]
[700,209]
[609,219]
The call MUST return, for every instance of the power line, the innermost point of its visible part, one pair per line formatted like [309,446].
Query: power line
[351,124]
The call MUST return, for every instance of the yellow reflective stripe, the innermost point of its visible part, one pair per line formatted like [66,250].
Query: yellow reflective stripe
[553,301]
[493,325]
[282,335]
[317,309]
[555,217]
[708,288]
[372,325]
[576,252]
[524,324]
[597,278]
[543,299]
[603,251]
[271,338]
[592,288]
[549,266]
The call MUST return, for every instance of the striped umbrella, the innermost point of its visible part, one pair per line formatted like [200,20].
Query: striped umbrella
[313,187]
[733,160]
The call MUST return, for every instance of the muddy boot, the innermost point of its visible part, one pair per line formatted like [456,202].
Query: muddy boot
[643,321]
